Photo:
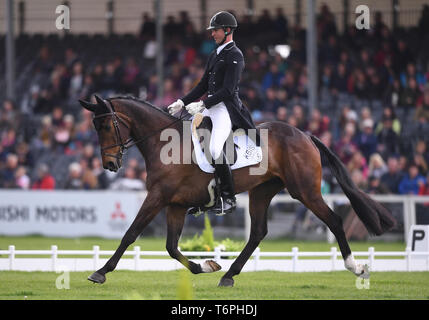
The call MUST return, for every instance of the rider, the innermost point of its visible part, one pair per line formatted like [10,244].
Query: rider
[225,109]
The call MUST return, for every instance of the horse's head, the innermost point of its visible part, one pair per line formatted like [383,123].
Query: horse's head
[113,132]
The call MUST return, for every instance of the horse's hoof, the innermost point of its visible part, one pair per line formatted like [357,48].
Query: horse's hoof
[97,278]
[365,272]
[226,282]
[210,266]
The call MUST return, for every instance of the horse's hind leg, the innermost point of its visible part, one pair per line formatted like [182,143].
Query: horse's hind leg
[175,220]
[259,201]
[334,222]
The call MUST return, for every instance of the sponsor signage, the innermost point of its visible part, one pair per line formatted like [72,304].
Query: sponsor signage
[67,213]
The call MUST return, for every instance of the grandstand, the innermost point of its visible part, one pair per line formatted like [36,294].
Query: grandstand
[381,75]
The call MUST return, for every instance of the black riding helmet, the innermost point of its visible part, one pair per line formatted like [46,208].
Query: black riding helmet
[223,19]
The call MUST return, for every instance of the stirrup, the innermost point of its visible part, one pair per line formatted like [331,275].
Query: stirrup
[195,211]
[221,211]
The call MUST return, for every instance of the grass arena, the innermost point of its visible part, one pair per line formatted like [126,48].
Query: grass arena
[156,285]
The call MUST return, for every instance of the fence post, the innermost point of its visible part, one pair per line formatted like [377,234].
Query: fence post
[11,257]
[136,257]
[54,257]
[96,250]
[333,257]
[371,257]
[294,258]
[217,254]
[256,258]
[408,257]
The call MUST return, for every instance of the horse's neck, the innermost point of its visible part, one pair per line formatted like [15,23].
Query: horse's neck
[147,125]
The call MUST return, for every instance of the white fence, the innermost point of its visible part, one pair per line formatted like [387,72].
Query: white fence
[290,262]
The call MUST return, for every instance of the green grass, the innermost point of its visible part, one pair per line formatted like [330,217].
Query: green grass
[248,285]
[157,244]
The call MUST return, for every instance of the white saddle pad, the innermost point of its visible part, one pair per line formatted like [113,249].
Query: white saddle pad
[247,152]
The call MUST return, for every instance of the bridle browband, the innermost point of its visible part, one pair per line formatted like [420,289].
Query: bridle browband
[116,119]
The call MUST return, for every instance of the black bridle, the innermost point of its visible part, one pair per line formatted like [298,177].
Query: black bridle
[117,120]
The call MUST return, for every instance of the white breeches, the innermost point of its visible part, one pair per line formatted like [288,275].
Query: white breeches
[221,128]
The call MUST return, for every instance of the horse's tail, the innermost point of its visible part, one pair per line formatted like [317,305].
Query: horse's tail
[374,216]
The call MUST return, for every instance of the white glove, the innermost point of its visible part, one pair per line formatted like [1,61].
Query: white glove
[175,106]
[195,107]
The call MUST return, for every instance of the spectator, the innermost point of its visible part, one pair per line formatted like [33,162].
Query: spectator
[358,162]
[345,147]
[22,180]
[421,150]
[147,29]
[128,182]
[422,112]
[375,187]
[393,177]
[377,167]
[424,187]
[74,180]
[366,140]
[412,181]
[420,163]
[409,96]
[44,181]
[98,171]
[252,100]
[271,103]
[7,174]
[273,78]
[388,140]
[389,114]
[299,115]
[89,179]
[282,114]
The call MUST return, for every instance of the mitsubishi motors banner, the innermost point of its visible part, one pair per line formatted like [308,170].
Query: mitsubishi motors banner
[68,213]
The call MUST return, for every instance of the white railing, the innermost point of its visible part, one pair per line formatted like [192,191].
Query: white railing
[281,261]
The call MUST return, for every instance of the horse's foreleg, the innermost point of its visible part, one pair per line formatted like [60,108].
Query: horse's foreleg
[175,220]
[150,208]
[259,201]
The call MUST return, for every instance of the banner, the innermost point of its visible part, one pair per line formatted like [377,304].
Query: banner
[68,213]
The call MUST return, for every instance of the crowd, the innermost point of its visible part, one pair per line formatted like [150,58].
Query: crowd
[373,87]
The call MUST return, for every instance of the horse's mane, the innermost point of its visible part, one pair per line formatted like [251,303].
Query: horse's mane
[147,103]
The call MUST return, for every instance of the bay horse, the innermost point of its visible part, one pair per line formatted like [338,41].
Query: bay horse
[294,163]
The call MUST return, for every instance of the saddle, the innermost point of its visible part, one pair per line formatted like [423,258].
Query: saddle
[244,153]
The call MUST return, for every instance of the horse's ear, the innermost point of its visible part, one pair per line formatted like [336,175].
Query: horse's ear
[87,105]
[99,100]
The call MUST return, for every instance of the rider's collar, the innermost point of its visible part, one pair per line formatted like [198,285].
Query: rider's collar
[219,49]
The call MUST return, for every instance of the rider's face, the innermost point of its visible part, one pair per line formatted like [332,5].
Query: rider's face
[218,35]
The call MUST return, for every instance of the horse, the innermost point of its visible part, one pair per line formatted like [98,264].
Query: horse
[294,163]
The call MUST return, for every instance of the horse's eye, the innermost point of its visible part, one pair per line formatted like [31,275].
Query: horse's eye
[97,125]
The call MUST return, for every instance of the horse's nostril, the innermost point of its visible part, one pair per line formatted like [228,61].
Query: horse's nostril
[111,165]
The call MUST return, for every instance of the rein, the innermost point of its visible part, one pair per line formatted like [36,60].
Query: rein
[129,142]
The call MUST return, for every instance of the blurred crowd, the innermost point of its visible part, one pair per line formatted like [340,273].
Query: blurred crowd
[373,99]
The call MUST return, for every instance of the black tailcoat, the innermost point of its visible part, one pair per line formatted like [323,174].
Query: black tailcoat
[220,81]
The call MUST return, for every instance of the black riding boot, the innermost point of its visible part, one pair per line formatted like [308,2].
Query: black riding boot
[225,203]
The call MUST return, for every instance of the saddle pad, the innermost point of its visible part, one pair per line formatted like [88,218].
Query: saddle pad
[247,152]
